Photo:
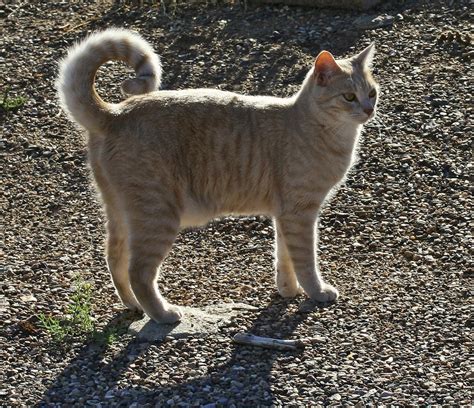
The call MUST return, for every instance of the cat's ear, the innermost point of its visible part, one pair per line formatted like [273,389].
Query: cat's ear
[325,67]
[366,57]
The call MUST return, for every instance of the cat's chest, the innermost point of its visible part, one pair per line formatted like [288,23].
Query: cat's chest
[338,166]
[338,153]
[328,161]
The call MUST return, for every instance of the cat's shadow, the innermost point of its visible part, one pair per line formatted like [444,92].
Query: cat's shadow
[227,379]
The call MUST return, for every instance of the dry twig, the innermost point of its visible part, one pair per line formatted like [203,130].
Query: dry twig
[278,344]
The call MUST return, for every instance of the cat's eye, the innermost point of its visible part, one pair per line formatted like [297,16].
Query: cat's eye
[372,93]
[350,97]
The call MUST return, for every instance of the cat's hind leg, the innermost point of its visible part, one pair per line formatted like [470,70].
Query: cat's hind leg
[299,234]
[153,227]
[118,258]
[285,276]
[116,245]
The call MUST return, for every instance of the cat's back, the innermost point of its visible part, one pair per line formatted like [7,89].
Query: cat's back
[183,115]
[212,100]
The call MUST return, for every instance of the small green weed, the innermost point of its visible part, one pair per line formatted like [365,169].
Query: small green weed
[109,335]
[77,321]
[9,104]
[53,326]
[80,309]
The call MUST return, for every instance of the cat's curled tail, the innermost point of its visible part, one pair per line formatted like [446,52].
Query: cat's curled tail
[77,74]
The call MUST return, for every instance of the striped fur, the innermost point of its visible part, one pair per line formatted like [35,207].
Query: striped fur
[168,159]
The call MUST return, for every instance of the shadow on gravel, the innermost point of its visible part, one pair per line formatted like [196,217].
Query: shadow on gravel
[243,379]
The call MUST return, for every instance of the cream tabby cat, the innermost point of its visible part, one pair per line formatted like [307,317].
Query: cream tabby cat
[164,160]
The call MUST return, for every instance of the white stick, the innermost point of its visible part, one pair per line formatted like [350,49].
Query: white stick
[279,344]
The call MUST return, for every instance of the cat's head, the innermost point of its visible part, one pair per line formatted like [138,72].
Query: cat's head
[344,89]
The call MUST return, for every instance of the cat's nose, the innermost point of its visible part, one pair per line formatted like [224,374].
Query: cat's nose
[369,111]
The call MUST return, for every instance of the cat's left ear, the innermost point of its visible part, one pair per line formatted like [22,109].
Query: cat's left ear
[366,57]
[325,67]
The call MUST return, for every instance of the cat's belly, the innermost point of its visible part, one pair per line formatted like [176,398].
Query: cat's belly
[192,217]
[195,214]
[189,220]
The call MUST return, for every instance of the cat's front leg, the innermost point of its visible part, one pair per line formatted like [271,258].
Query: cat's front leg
[299,234]
[285,276]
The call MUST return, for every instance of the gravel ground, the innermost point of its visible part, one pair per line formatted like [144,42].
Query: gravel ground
[395,239]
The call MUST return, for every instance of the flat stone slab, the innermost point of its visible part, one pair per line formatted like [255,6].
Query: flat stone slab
[195,323]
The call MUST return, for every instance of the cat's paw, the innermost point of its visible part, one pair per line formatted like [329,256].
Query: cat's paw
[133,305]
[286,282]
[172,314]
[326,294]
[290,290]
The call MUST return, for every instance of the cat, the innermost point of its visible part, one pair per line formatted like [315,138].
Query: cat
[164,160]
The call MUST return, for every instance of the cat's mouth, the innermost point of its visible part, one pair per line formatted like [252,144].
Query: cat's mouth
[364,118]
[369,118]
